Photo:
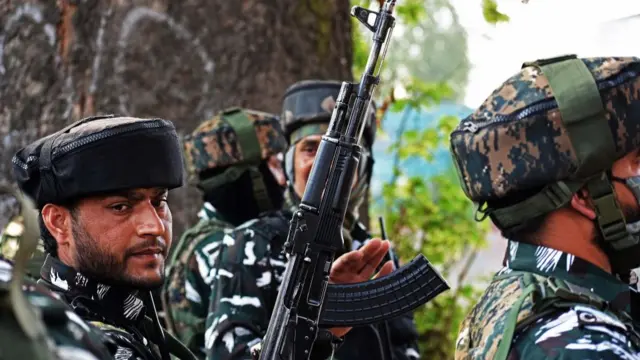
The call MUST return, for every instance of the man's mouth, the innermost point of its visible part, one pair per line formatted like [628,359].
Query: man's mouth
[152,251]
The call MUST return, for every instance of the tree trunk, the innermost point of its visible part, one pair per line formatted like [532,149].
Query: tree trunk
[179,60]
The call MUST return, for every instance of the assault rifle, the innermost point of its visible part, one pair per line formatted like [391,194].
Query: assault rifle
[306,300]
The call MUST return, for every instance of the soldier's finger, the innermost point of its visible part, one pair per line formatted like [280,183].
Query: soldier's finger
[371,248]
[372,258]
[386,269]
[347,263]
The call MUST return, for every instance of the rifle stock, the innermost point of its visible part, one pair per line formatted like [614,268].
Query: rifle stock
[306,300]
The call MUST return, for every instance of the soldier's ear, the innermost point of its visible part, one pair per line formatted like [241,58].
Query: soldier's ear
[275,166]
[57,219]
[581,202]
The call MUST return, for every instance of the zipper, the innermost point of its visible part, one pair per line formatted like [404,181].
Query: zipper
[543,106]
[64,150]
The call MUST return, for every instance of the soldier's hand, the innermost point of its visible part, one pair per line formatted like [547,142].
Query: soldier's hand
[358,266]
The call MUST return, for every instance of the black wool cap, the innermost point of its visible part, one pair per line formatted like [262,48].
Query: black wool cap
[100,154]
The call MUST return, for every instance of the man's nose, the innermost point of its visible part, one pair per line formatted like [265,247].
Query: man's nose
[148,221]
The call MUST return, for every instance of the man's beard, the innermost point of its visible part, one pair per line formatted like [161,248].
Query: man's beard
[103,266]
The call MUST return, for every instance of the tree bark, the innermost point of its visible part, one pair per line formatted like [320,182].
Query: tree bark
[179,60]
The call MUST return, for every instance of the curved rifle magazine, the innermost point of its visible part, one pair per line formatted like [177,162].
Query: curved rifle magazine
[382,299]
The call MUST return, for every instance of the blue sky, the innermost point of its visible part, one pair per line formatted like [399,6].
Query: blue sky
[383,168]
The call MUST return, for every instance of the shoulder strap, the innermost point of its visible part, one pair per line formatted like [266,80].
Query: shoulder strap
[512,316]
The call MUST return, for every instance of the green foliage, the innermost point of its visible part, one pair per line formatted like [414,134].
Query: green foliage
[360,49]
[432,216]
[429,215]
[421,94]
[411,12]
[491,13]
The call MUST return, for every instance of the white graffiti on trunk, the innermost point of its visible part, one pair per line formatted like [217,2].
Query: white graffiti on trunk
[131,22]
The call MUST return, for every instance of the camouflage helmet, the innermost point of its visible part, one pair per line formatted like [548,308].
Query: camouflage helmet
[235,141]
[306,110]
[234,137]
[553,128]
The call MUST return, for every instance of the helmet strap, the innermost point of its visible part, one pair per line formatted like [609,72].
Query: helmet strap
[260,193]
[617,242]
[230,175]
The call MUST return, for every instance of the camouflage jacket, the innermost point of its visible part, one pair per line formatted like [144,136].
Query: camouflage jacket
[189,278]
[118,313]
[71,337]
[564,308]
[248,273]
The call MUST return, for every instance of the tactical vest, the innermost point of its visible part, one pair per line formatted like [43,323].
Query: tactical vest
[175,275]
[550,295]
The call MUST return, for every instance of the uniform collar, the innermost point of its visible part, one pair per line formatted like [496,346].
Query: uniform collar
[116,304]
[208,212]
[555,263]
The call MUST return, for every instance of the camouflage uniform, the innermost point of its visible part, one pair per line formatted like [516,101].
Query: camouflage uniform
[45,171]
[186,292]
[55,332]
[67,336]
[601,328]
[248,272]
[552,129]
[307,108]
[237,140]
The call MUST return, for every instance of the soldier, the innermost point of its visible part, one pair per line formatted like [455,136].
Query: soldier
[249,271]
[106,224]
[240,176]
[101,186]
[237,186]
[307,108]
[53,331]
[552,156]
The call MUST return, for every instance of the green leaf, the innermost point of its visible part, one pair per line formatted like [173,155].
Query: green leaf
[399,105]
[360,50]
[491,13]
[410,12]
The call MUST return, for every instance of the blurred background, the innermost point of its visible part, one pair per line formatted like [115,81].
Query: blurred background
[185,60]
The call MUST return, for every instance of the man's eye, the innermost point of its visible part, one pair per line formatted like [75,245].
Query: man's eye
[159,202]
[120,207]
